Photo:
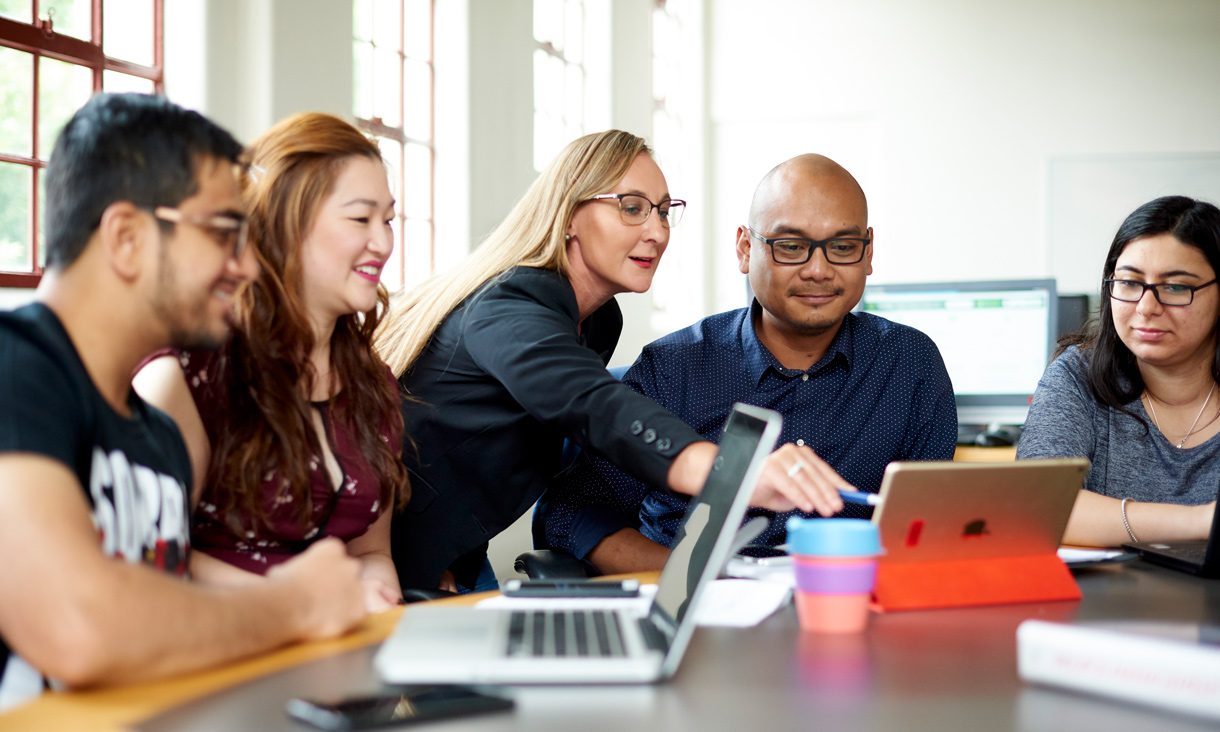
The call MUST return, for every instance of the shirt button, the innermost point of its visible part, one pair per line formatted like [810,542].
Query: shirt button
[663,444]
[637,427]
[800,443]
[804,377]
[650,436]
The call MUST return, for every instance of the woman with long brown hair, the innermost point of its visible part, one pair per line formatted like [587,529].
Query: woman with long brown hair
[293,427]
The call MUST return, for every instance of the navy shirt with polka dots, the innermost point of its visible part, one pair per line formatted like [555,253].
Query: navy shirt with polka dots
[880,393]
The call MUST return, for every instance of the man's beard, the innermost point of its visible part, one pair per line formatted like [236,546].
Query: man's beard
[177,314]
[819,327]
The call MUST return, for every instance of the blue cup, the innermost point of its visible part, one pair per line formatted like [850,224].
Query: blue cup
[833,537]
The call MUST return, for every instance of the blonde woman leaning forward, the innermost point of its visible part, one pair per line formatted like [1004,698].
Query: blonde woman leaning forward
[1136,391]
[505,356]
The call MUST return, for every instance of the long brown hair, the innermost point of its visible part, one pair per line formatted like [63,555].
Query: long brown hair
[532,235]
[293,168]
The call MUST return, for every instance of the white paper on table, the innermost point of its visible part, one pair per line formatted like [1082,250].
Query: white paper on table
[740,603]
[777,570]
[735,603]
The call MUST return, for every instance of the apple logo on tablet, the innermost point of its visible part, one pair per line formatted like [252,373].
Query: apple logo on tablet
[978,527]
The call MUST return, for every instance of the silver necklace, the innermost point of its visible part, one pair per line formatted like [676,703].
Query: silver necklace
[1189,432]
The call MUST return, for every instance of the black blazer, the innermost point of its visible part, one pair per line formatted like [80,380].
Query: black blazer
[506,378]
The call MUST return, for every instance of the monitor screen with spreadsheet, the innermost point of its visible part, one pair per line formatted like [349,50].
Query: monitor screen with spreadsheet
[995,337]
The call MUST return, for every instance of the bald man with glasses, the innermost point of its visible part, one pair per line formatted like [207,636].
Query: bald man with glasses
[859,390]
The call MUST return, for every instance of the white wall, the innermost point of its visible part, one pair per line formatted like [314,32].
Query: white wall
[262,60]
[948,110]
[15,297]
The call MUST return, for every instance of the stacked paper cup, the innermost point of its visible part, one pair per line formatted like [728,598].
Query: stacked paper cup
[836,565]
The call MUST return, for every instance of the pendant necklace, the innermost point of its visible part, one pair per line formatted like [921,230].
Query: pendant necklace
[1189,432]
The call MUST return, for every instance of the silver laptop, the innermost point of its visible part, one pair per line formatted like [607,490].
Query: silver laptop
[446,644]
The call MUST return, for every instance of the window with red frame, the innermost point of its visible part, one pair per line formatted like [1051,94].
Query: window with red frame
[559,77]
[54,54]
[393,79]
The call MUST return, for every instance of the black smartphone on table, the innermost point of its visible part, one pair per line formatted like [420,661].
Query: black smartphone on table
[410,705]
[571,588]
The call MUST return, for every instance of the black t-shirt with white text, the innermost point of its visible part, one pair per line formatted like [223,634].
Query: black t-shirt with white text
[134,471]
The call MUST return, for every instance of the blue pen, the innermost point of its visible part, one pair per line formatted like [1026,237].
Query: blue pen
[868,499]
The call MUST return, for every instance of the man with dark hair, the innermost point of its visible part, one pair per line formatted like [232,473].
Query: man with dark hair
[859,390]
[145,249]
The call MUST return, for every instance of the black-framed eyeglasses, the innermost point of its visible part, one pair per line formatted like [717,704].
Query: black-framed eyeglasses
[634,209]
[1166,293]
[229,231]
[840,250]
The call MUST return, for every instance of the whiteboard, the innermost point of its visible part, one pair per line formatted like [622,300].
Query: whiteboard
[1088,196]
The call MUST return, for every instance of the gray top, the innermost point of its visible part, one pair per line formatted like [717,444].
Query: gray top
[1129,461]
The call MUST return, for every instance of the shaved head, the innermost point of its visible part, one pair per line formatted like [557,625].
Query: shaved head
[812,174]
[813,198]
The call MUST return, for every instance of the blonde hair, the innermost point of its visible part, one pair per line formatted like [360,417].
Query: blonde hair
[532,235]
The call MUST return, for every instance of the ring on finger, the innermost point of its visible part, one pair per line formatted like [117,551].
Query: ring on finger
[797,467]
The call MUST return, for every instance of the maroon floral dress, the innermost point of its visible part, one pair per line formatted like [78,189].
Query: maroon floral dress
[345,513]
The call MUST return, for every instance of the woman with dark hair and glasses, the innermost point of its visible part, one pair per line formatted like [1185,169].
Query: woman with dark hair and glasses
[1135,391]
[504,357]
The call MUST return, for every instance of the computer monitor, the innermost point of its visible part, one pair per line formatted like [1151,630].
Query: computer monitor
[996,338]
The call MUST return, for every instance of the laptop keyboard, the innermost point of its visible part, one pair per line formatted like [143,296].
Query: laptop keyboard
[558,633]
[1193,553]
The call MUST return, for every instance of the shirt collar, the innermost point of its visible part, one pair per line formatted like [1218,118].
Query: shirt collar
[759,360]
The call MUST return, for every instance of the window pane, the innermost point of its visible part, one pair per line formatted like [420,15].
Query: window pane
[117,81]
[391,155]
[362,81]
[62,89]
[128,30]
[69,17]
[548,139]
[362,20]
[417,98]
[573,95]
[573,34]
[548,22]
[22,10]
[552,76]
[16,187]
[416,251]
[416,200]
[387,86]
[16,102]
[387,24]
[42,219]
[542,93]
[417,29]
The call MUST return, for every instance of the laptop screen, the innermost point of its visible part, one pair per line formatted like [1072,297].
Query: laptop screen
[708,513]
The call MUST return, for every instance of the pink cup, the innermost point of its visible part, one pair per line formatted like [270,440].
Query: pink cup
[832,594]
[836,568]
